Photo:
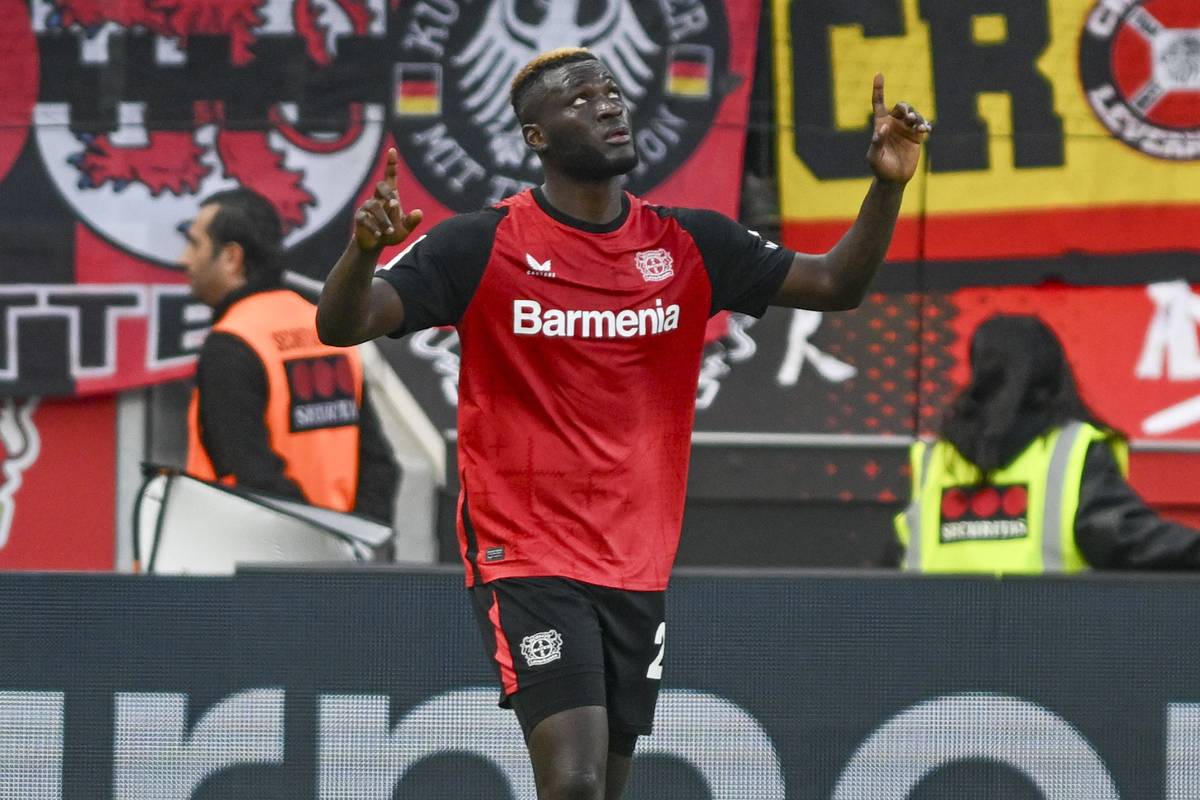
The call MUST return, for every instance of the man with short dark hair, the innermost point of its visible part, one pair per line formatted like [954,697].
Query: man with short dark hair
[274,409]
[581,311]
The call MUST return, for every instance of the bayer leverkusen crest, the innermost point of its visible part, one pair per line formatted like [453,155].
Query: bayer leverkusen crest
[450,110]
[1140,65]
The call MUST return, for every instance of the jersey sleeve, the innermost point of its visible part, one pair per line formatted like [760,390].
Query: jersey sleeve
[437,275]
[745,270]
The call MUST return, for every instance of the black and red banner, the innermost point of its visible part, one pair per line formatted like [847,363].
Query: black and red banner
[118,116]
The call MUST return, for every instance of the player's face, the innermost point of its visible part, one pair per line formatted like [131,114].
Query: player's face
[208,271]
[585,123]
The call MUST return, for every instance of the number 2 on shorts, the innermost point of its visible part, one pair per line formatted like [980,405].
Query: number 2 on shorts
[654,673]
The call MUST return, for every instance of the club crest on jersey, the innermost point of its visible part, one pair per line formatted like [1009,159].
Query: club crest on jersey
[1140,67]
[655,265]
[542,648]
[452,120]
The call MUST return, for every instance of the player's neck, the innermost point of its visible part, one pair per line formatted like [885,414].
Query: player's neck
[590,201]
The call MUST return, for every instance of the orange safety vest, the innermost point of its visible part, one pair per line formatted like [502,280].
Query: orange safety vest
[314,396]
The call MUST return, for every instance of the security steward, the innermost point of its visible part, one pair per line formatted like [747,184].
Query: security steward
[275,410]
[1024,478]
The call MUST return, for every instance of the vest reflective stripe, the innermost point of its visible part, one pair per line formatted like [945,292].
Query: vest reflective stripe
[912,556]
[1050,470]
[320,455]
[1052,516]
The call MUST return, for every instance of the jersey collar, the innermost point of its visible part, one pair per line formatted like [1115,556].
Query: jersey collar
[583,225]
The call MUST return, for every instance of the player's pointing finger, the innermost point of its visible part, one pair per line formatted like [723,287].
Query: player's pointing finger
[389,170]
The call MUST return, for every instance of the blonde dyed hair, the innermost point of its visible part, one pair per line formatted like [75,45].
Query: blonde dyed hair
[550,59]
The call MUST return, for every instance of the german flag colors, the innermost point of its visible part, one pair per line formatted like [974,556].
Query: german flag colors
[689,71]
[418,90]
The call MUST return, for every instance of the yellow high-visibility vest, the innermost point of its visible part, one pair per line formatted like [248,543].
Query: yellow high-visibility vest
[1021,521]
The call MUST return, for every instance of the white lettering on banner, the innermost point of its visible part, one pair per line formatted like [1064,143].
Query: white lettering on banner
[446,158]
[361,757]
[1106,101]
[31,745]
[686,21]
[801,350]
[656,137]
[438,346]
[1104,18]
[1171,341]
[736,346]
[91,313]
[530,320]
[918,741]
[155,757]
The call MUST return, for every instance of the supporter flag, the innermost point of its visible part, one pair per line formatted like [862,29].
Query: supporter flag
[1062,179]
[418,90]
[109,142]
[689,73]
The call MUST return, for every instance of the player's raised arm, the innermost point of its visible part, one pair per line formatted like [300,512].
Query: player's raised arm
[839,279]
[353,307]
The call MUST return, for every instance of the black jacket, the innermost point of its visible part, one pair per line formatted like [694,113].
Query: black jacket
[233,399]
[1114,528]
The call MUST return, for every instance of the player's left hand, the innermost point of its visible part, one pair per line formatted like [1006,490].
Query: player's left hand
[896,141]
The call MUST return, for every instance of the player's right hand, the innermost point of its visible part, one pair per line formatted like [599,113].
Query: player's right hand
[381,222]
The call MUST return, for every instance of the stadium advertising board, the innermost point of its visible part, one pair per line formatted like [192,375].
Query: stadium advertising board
[117,118]
[373,686]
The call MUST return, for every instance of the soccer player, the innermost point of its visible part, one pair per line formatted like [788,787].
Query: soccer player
[581,310]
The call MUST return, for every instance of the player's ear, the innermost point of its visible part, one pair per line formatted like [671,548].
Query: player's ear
[535,139]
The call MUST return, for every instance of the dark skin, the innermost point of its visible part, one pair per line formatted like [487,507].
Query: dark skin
[569,753]
[575,108]
[576,120]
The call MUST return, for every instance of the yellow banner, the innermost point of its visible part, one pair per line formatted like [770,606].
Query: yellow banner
[1053,105]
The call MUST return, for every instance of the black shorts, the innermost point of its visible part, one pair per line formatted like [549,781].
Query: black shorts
[559,644]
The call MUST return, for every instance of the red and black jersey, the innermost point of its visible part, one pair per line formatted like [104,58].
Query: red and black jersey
[581,349]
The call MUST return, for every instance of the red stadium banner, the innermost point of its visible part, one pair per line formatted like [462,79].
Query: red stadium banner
[1136,353]
[118,116]
[57,471]
[1139,369]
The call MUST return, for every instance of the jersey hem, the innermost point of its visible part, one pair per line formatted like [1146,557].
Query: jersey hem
[489,575]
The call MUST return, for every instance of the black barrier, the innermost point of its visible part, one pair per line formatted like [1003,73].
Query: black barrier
[372,685]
